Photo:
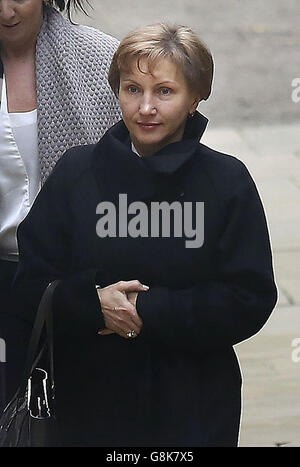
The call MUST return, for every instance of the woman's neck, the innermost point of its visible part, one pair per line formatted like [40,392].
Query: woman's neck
[17,51]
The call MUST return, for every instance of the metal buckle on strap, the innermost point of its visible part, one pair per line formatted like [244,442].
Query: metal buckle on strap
[38,397]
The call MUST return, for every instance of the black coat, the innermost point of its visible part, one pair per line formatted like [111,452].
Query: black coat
[178,383]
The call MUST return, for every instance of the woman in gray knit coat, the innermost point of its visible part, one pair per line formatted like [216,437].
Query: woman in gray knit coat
[54,95]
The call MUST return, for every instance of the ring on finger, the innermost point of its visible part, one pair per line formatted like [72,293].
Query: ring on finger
[131,333]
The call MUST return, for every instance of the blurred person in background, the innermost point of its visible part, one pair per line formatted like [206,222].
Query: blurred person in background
[54,95]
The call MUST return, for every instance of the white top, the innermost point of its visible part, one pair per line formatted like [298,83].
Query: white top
[19,172]
[133,148]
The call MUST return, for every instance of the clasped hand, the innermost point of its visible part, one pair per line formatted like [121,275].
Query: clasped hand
[118,304]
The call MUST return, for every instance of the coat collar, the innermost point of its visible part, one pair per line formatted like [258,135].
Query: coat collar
[123,171]
[166,161]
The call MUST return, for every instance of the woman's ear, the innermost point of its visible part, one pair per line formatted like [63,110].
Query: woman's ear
[194,105]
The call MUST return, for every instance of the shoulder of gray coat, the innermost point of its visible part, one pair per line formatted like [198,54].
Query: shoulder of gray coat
[96,40]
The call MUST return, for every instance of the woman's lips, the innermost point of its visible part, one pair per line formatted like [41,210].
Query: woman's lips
[148,125]
[11,25]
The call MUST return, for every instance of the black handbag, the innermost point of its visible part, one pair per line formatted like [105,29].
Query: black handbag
[29,417]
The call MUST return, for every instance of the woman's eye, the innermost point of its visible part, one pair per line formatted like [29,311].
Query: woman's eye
[133,89]
[165,91]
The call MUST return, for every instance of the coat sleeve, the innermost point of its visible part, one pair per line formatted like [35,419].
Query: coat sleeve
[44,240]
[236,303]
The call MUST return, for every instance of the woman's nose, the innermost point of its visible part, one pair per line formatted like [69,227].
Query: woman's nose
[6,10]
[147,106]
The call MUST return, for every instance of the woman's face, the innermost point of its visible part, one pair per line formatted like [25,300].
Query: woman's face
[20,21]
[155,106]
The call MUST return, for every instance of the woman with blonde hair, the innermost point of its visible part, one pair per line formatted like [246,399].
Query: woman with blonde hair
[176,267]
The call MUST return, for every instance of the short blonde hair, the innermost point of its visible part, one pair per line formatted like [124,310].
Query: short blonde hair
[178,43]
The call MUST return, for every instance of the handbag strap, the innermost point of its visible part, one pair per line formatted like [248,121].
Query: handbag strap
[43,319]
[49,345]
